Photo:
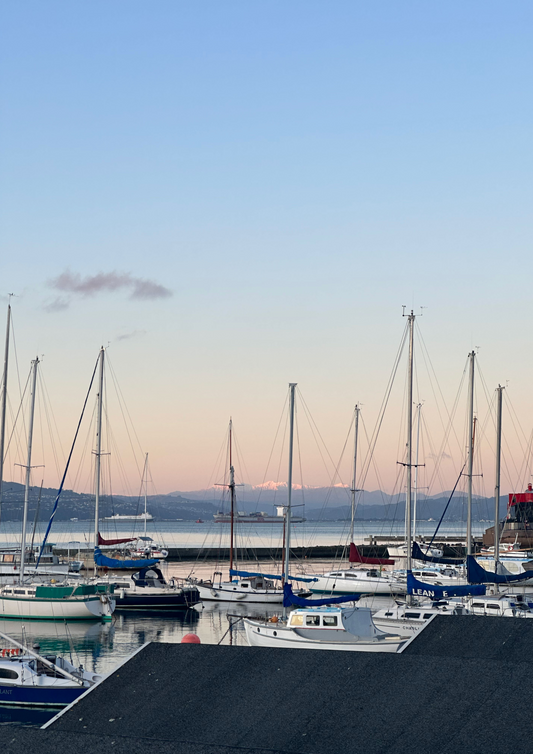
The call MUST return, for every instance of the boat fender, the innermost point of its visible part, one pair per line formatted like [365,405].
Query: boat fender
[122,594]
[241,596]
[164,553]
[215,594]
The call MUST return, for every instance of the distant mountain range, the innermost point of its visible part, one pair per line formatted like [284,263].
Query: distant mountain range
[315,503]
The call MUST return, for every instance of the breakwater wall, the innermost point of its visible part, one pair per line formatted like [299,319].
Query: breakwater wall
[323,552]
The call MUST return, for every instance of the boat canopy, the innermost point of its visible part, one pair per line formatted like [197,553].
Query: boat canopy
[419,589]
[105,562]
[419,554]
[102,541]
[476,574]
[356,557]
[251,574]
[289,599]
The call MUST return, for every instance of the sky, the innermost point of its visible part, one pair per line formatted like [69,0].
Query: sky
[232,196]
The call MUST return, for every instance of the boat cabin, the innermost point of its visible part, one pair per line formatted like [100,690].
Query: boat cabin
[355,574]
[254,582]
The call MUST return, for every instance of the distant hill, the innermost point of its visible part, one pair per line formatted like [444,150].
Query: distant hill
[326,504]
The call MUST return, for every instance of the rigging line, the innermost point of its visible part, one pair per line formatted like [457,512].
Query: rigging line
[66,470]
[445,442]
[50,410]
[124,407]
[20,409]
[431,370]
[283,412]
[446,507]
[312,424]
[375,434]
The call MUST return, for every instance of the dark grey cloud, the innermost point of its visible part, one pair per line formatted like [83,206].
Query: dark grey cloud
[73,283]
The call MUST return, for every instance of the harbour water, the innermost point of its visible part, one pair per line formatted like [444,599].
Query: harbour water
[210,534]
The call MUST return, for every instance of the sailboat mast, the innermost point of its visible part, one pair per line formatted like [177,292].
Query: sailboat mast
[499,390]
[411,324]
[354,483]
[292,387]
[98,451]
[145,489]
[415,491]
[4,399]
[472,357]
[232,497]
[28,469]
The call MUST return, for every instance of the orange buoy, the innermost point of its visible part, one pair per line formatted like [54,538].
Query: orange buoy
[274,619]
[191,639]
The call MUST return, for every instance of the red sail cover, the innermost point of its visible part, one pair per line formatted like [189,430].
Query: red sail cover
[102,541]
[356,557]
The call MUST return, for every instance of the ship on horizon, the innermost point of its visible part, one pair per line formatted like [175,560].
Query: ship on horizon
[141,517]
[256,517]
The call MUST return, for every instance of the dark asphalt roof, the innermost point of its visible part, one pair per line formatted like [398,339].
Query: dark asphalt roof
[450,691]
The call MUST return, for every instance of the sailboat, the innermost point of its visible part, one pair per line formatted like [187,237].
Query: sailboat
[318,624]
[49,601]
[425,599]
[243,586]
[147,589]
[363,576]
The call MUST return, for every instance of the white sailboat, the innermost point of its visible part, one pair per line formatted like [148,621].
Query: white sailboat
[252,588]
[324,626]
[49,601]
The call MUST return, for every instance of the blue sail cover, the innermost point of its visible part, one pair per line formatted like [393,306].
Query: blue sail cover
[419,589]
[290,599]
[105,562]
[250,574]
[478,575]
[419,554]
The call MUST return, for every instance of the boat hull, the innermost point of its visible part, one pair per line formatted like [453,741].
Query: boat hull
[165,601]
[234,594]
[93,608]
[33,696]
[260,635]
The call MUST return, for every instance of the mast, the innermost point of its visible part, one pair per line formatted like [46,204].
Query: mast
[34,365]
[411,325]
[4,398]
[354,485]
[472,357]
[145,489]
[415,491]
[292,387]
[499,390]
[232,497]
[98,451]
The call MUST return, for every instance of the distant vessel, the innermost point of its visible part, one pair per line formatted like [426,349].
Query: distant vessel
[259,517]
[141,517]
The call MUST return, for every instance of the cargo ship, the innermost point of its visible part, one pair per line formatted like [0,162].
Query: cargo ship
[259,517]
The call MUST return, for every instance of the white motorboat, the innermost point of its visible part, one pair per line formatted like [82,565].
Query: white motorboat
[336,628]
[357,581]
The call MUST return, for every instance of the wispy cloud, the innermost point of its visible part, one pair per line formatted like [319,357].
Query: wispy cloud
[140,289]
[132,334]
[57,304]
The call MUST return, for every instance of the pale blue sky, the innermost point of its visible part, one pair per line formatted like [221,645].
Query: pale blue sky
[294,172]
